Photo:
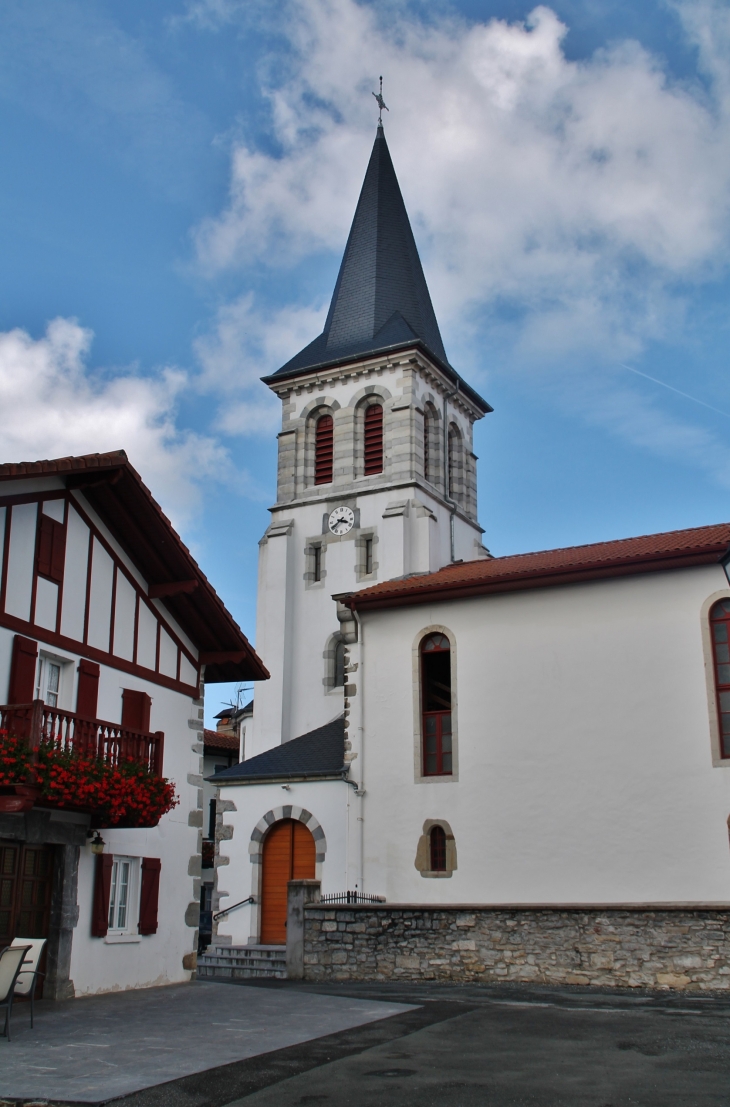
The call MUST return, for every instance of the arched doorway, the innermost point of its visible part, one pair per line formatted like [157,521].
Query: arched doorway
[289,854]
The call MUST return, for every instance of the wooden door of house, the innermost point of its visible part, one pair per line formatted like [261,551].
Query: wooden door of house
[25,891]
[289,854]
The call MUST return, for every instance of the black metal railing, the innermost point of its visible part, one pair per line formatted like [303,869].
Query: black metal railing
[351,897]
[222,914]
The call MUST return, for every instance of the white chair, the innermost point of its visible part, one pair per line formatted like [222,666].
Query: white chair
[11,960]
[26,982]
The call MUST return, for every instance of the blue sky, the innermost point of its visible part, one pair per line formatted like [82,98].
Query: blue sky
[177,184]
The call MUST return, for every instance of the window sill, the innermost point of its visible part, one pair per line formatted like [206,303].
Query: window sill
[121,939]
[435,874]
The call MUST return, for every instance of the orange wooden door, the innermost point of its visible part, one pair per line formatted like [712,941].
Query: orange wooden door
[289,854]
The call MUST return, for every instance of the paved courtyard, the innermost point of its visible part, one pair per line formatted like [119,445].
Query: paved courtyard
[277,1044]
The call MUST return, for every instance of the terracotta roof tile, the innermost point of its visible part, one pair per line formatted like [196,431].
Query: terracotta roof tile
[648,553]
[213,739]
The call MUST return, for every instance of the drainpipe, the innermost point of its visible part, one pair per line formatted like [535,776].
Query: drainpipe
[447,490]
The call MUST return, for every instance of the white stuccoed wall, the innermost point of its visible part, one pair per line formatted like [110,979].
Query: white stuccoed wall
[585,758]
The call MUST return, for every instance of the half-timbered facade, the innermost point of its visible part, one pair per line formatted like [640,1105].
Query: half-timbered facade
[108,629]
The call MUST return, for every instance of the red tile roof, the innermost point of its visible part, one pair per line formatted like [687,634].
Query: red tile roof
[213,739]
[117,493]
[676,549]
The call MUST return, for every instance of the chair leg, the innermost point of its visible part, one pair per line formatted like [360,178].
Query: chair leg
[32,999]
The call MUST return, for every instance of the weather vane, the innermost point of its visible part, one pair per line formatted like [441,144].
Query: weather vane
[381,103]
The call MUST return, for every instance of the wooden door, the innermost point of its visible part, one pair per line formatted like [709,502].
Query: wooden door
[25,891]
[289,854]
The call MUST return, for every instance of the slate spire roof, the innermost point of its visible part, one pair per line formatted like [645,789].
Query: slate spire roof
[381,298]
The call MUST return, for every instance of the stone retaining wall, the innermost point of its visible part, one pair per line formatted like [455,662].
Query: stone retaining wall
[677,946]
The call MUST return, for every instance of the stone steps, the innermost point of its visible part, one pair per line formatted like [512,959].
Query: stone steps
[242,962]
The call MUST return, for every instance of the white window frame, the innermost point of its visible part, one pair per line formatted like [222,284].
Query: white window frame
[45,660]
[129,932]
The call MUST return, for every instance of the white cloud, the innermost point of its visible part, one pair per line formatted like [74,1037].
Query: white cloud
[54,406]
[579,193]
[247,342]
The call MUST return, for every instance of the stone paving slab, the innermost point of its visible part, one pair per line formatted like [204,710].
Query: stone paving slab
[99,1047]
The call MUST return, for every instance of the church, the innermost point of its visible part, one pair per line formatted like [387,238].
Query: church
[442,726]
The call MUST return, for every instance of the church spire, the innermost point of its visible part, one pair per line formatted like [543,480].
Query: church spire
[381,298]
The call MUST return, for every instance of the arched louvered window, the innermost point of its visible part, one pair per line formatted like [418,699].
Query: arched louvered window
[720,623]
[339,667]
[324,450]
[456,465]
[436,705]
[430,444]
[437,846]
[373,439]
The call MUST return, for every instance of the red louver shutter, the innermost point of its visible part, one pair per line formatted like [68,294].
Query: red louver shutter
[22,670]
[51,548]
[324,450]
[102,890]
[149,895]
[87,695]
[136,710]
[373,439]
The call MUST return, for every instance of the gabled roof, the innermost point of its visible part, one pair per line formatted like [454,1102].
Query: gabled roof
[115,491]
[317,755]
[381,301]
[676,549]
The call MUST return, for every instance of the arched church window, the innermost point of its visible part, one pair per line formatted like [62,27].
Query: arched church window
[373,440]
[430,444]
[436,705]
[456,464]
[324,450]
[437,846]
[720,623]
[339,673]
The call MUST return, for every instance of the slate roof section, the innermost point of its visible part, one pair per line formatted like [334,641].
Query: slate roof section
[381,300]
[319,754]
[117,493]
[676,549]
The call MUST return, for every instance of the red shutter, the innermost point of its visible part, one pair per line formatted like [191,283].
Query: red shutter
[373,439]
[22,670]
[149,895]
[324,450]
[87,694]
[102,890]
[136,710]
[51,548]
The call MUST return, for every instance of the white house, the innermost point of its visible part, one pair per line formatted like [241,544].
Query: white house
[442,726]
[107,629]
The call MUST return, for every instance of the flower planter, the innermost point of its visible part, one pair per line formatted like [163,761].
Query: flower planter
[15,799]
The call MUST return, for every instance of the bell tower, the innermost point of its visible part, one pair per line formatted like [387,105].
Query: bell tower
[376,471]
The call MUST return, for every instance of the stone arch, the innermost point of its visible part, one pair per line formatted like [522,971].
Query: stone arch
[360,402]
[423,850]
[287,811]
[322,405]
[419,776]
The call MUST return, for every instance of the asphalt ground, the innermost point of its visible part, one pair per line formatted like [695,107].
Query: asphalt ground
[492,1046]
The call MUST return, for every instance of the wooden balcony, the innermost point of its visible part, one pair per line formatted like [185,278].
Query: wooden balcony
[109,742]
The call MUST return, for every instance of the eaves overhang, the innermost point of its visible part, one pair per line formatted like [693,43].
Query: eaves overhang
[479,402]
[277,778]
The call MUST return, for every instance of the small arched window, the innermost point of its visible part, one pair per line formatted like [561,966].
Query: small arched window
[436,705]
[324,450]
[720,623]
[456,464]
[373,440]
[339,673]
[430,444]
[437,846]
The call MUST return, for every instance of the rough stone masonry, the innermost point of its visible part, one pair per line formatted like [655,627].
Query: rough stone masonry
[673,946]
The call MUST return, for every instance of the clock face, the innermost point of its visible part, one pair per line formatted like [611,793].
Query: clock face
[341,520]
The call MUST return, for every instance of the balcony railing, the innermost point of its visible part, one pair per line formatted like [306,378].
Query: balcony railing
[109,742]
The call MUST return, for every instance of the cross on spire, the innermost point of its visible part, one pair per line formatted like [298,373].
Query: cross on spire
[381,103]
